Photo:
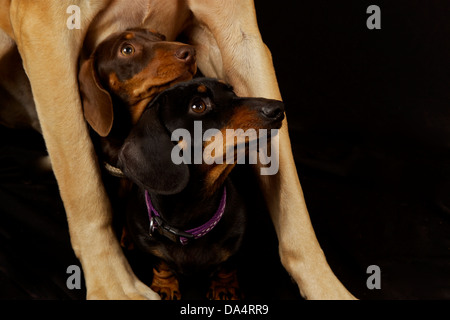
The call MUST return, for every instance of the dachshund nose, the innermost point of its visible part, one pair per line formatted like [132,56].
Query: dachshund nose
[185,53]
[273,111]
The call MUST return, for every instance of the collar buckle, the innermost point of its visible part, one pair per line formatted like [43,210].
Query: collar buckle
[176,235]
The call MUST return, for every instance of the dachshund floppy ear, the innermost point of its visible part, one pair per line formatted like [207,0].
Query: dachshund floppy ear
[145,157]
[97,103]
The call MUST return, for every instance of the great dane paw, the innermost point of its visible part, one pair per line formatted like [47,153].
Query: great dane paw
[131,291]
[109,276]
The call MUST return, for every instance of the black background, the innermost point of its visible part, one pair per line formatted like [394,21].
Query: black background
[368,113]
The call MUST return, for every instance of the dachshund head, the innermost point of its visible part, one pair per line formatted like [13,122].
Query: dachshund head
[147,156]
[126,71]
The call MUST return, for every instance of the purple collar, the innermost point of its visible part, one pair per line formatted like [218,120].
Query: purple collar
[174,234]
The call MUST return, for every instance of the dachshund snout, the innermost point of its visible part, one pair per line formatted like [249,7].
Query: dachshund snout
[186,54]
[273,111]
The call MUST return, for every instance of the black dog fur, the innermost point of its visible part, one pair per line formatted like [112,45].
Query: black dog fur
[187,196]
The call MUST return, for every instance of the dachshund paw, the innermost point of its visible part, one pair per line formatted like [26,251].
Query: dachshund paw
[167,293]
[165,283]
[225,286]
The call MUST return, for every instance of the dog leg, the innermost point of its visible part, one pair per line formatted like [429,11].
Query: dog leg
[50,54]
[224,286]
[165,283]
[234,43]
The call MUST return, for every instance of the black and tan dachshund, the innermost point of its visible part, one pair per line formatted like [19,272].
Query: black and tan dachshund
[190,215]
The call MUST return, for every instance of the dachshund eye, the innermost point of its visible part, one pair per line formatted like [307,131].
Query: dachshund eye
[198,105]
[127,50]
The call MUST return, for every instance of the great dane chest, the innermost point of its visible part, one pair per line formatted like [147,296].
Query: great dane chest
[165,17]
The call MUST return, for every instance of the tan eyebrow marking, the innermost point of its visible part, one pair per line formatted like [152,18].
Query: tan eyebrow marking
[129,36]
[201,88]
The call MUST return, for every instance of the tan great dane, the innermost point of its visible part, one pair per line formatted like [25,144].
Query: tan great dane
[229,47]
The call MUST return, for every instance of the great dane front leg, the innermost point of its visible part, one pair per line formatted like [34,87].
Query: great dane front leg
[234,42]
[50,54]
[231,27]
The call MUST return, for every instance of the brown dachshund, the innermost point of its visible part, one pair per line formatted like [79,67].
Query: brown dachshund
[125,72]
[228,46]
